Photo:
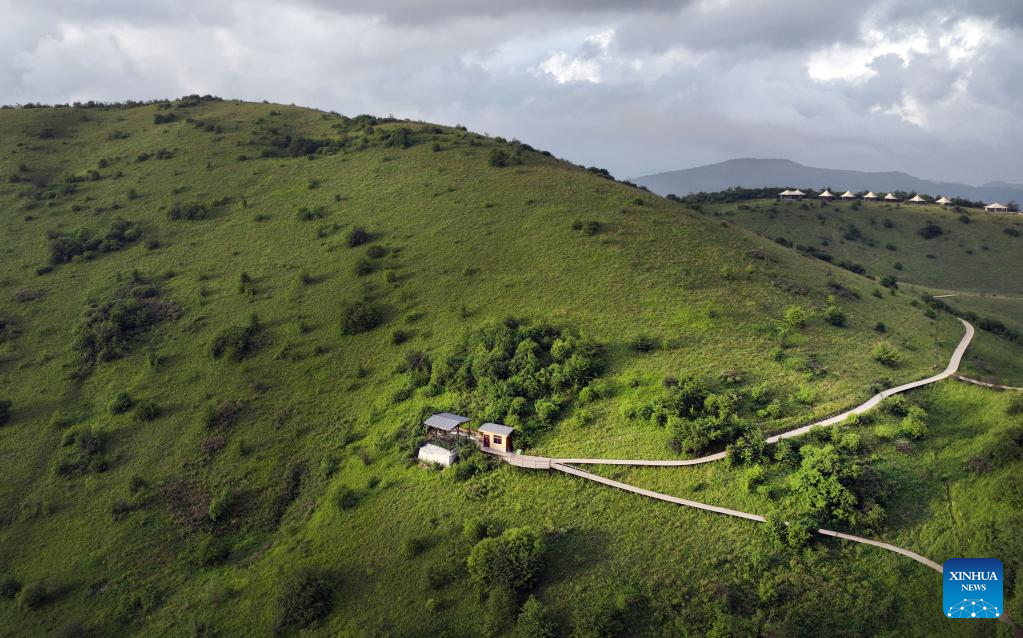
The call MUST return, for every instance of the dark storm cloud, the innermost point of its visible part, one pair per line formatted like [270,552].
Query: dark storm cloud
[926,86]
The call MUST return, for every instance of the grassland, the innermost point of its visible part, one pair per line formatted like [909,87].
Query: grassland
[971,261]
[186,509]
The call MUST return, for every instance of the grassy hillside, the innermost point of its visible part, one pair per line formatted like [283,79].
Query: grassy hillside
[971,259]
[222,323]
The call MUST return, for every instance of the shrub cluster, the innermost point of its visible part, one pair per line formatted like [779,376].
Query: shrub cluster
[191,212]
[236,342]
[66,246]
[108,329]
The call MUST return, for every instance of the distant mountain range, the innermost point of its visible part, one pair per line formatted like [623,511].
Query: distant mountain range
[753,173]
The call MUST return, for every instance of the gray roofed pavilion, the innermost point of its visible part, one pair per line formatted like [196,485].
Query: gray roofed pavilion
[445,421]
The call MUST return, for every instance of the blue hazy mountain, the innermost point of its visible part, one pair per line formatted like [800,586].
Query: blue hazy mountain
[751,173]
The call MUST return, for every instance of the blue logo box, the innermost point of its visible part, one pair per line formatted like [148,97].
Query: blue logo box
[972,588]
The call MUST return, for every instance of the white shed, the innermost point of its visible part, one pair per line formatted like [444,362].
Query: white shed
[431,453]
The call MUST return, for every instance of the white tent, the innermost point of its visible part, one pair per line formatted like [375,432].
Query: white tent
[792,194]
[943,201]
[916,199]
[848,195]
[827,194]
[870,195]
[996,208]
[890,197]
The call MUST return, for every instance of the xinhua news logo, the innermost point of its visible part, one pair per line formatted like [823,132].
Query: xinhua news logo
[972,588]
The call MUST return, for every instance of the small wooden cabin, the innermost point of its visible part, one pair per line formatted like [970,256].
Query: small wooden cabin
[496,437]
[996,208]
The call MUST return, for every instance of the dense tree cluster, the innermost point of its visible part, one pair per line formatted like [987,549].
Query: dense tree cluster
[520,374]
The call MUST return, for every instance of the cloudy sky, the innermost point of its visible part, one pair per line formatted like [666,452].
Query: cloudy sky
[932,87]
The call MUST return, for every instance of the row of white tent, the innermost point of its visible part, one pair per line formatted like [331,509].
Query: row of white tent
[890,197]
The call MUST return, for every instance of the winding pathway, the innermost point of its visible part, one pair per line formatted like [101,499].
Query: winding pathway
[950,370]
[566,465]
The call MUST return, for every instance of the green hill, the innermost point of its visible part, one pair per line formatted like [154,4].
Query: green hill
[223,322]
[967,258]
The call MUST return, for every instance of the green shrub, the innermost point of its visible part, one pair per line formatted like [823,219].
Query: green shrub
[9,587]
[223,415]
[534,621]
[930,231]
[498,157]
[122,403]
[148,411]
[886,355]
[511,560]
[357,237]
[498,612]
[376,252]
[363,267]
[220,505]
[834,316]
[412,547]
[1014,407]
[360,316]
[476,529]
[797,317]
[643,343]
[190,212]
[345,498]
[34,595]
[236,342]
[303,598]
[5,411]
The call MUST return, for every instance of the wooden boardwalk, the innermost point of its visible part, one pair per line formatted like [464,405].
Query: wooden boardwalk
[986,384]
[565,465]
[870,404]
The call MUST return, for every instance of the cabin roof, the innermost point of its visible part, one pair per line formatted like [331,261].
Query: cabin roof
[496,428]
[445,421]
[848,195]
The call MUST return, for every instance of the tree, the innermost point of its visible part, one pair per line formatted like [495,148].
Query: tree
[511,560]
[534,621]
[818,483]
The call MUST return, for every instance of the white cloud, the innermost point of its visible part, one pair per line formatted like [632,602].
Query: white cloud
[927,86]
